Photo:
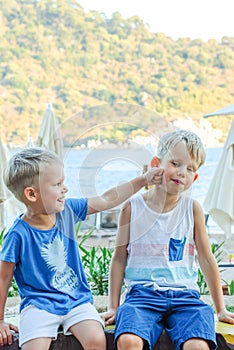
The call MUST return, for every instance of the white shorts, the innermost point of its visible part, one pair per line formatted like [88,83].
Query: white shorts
[37,323]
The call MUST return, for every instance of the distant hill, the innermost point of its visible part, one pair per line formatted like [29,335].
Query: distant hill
[52,51]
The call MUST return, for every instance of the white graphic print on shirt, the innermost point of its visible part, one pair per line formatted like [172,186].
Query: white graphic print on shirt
[64,278]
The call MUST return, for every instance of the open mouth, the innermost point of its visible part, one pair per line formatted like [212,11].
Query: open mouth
[61,200]
[177,182]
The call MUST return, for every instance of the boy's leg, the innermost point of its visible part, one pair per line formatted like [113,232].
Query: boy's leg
[90,334]
[129,341]
[190,323]
[37,328]
[140,315]
[195,344]
[37,344]
[85,323]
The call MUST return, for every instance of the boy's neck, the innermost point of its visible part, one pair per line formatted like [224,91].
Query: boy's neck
[161,201]
[40,221]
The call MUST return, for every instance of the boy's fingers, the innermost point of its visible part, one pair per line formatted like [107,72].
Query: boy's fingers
[110,320]
[9,338]
[15,329]
[160,172]
[106,316]
[229,319]
[4,337]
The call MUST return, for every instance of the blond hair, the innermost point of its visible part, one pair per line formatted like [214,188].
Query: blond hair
[193,143]
[24,167]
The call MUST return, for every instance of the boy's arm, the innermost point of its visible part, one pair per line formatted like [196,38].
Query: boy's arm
[6,274]
[118,264]
[121,193]
[209,265]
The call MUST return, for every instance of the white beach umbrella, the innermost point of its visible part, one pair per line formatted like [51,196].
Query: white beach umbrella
[10,207]
[219,201]
[49,135]
[3,190]
[30,142]
[224,111]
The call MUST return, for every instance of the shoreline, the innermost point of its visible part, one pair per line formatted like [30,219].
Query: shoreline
[103,147]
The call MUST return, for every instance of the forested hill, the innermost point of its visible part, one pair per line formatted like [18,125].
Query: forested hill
[52,51]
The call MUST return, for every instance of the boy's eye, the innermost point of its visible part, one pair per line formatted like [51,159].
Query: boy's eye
[176,164]
[192,169]
[58,184]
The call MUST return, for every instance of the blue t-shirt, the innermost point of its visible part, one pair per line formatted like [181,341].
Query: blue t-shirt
[49,271]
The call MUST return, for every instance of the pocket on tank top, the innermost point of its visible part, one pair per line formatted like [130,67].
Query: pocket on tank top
[176,249]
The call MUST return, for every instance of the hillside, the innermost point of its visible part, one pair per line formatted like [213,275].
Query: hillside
[52,51]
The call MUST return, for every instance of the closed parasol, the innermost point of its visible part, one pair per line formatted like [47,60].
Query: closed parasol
[9,205]
[49,136]
[219,201]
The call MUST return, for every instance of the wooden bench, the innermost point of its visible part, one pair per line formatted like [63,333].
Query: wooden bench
[224,331]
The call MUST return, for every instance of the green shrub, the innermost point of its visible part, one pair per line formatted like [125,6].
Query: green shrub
[230,308]
[96,262]
[218,253]
[230,286]
[1,237]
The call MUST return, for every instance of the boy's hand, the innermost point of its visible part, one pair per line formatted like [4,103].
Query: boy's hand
[5,332]
[109,316]
[154,176]
[226,316]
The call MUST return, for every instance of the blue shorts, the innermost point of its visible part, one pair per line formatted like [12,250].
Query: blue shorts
[146,312]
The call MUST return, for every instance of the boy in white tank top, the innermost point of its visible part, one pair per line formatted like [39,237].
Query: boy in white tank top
[158,234]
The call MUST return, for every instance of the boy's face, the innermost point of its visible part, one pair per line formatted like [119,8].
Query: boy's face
[52,189]
[179,169]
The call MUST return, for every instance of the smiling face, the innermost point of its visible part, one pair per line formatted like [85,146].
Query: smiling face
[52,189]
[179,168]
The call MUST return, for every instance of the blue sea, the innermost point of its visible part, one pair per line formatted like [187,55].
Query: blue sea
[91,172]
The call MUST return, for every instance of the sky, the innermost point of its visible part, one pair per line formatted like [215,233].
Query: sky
[196,19]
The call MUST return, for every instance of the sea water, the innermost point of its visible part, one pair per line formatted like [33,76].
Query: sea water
[88,176]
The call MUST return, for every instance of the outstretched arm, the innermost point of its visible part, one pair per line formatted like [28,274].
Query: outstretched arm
[118,265]
[209,265]
[121,193]
[6,274]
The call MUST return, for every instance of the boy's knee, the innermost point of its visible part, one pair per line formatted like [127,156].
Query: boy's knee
[129,341]
[97,342]
[196,344]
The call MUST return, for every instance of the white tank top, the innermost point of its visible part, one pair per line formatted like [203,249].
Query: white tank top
[161,247]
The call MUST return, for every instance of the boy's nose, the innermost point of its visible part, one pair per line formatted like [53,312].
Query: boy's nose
[181,171]
[65,189]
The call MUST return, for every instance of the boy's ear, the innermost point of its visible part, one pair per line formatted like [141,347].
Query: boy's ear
[195,177]
[155,162]
[30,194]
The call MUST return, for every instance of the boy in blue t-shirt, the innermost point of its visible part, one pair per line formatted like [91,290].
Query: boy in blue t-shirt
[40,250]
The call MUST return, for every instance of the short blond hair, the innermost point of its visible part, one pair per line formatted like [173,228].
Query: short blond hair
[193,143]
[24,167]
